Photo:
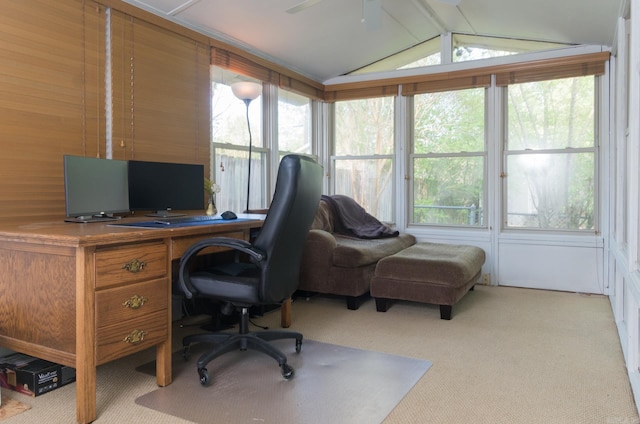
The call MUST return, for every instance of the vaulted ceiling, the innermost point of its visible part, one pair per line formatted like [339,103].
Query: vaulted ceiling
[322,39]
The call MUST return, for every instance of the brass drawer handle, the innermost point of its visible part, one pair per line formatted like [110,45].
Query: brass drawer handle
[135,337]
[134,265]
[135,302]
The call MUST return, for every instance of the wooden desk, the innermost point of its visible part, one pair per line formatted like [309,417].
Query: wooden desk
[85,294]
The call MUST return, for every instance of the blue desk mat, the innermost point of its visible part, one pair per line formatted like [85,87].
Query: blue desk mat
[153,224]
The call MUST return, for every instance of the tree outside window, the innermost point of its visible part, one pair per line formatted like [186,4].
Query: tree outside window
[550,155]
[449,158]
[363,160]
[294,123]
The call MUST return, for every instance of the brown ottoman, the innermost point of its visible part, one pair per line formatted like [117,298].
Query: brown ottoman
[427,272]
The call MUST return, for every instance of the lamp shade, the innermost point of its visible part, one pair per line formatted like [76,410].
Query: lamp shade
[246,90]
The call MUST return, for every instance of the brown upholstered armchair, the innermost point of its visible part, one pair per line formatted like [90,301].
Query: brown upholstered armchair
[343,265]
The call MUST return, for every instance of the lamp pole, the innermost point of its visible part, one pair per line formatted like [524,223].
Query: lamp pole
[247,102]
[247,91]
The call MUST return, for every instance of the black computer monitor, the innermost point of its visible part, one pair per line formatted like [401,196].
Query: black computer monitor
[161,187]
[94,188]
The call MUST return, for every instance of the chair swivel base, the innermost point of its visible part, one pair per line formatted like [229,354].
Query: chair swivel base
[225,342]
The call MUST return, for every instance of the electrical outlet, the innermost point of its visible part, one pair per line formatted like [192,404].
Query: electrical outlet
[486,279]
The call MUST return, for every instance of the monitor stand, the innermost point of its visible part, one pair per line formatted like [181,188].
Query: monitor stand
[85,219]
[164,214]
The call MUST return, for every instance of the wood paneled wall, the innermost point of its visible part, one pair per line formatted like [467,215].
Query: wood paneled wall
[52,97]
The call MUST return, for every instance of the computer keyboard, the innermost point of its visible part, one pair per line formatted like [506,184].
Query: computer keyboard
[186,219]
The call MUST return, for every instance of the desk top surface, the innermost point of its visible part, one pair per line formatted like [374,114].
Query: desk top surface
[59,232]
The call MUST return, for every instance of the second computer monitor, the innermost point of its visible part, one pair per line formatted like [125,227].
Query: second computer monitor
[162,187]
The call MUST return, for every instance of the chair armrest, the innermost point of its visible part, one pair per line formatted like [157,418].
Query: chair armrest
[232,243]
[255,255]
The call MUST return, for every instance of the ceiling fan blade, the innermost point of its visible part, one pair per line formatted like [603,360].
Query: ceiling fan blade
[302,6]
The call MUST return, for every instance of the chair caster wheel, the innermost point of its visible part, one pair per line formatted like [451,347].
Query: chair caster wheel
[204,376]
[298,346]
[287,371]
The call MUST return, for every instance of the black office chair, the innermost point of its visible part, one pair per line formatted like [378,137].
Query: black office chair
[271,275]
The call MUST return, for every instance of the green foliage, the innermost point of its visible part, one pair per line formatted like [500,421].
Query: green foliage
[551,135]
[554,114]
[364,131]
[449,170]
[364,127]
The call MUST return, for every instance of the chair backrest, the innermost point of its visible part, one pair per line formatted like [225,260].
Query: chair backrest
[284,232]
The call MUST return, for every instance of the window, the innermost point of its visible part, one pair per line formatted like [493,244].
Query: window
[472,47]
[294,123]
[363,154]
[434,59]
[230,146]
[449,158]
[455,47]
[550,155]
[424,54]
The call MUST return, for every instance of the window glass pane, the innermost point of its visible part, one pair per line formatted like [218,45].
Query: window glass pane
[449,122]
[449,158]
[229,119]
[554,114]
[448,190]
[550,158]
[464,53]
[294,123]
[230,136]
[474,47]
[368,182]
[231,173]
[464,47]
[551,191]
[364,127]
[363,165]
[430,60]
[423,54]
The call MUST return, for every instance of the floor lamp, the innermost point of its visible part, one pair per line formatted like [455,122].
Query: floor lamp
[247,91]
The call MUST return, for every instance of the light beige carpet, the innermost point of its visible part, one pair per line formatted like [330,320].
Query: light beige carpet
[508,356]
[332,384]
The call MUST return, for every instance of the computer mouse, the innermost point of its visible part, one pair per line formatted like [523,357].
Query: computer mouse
[228,215]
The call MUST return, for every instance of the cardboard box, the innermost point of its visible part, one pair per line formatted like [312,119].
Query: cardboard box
[33,376]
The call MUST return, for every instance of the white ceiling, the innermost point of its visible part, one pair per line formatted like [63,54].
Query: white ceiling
[331,37]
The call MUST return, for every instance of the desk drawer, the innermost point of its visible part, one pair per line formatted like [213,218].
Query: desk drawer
[130,263]
[122,339]
[127,302]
